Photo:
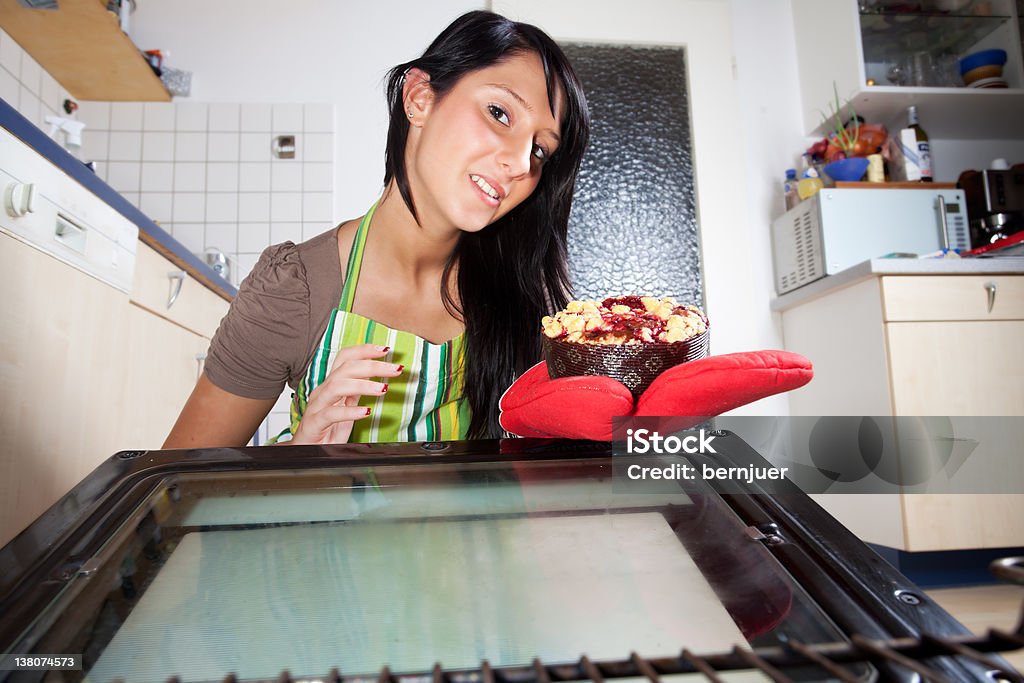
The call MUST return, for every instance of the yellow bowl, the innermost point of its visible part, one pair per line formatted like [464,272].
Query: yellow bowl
[986,71]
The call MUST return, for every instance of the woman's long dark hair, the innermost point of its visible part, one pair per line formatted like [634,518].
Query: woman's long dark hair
[514,271]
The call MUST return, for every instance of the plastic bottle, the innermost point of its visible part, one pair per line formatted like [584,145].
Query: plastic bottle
[924,152]
[810,181]
[789,193]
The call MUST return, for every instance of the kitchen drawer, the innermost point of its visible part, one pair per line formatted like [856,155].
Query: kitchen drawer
[195,308]
[952,297]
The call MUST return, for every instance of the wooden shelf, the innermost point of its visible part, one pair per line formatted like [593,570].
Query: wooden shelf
[83,47]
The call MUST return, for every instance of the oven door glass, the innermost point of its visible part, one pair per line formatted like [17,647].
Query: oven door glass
[406,565]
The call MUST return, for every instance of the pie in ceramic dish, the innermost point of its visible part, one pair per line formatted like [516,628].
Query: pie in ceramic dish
[632,339]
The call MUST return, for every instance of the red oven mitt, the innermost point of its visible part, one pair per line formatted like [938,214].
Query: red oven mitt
[583,407]
[573,407]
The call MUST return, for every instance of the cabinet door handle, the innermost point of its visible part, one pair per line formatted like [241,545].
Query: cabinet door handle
[200,362]
[990,287]
[180,276]
[1009,569]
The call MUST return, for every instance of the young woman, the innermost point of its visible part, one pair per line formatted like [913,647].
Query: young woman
[409,323]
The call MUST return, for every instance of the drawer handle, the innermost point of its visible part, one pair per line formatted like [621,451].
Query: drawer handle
[200,363]
[180,276]
[990,287]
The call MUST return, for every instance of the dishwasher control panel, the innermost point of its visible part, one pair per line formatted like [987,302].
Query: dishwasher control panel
[47,209]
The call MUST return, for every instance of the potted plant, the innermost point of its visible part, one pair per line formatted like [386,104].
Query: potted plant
[842,148]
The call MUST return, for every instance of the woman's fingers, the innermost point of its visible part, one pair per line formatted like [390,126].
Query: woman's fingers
[365,368]
[334,405]
[360,352]
[315,423]
[335,390]
[351,379]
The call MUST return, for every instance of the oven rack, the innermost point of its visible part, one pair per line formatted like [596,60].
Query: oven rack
[908,653]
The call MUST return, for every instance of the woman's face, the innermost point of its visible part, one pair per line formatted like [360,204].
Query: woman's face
[478,152]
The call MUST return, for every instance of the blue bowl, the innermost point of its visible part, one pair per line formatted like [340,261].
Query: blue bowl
[851,168]
[983,58]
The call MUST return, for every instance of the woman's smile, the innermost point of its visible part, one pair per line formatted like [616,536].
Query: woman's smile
[491,190]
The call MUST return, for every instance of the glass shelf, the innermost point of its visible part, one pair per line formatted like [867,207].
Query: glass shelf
[888,37]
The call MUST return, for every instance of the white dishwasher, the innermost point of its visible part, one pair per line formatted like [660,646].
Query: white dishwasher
[67,262]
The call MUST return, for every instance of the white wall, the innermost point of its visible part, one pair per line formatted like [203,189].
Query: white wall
[301,51]
[771,135]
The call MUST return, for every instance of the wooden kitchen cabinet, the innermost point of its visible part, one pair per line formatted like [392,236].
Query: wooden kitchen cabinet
[195,307]
[848,42]
[916,346]
[162,365]
[82,46]
[88,370]
[167,347]
[63,342]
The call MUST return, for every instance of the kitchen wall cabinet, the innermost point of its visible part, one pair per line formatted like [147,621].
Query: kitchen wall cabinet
[917,345]
[839,43]
[88,370]
[82,46]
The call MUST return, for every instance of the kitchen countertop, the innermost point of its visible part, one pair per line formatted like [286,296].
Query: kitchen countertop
[997,265]
[149,232]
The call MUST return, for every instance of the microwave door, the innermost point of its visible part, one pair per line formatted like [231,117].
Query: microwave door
[862,224]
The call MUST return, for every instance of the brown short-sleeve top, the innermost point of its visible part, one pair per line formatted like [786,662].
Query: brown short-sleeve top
[271,331]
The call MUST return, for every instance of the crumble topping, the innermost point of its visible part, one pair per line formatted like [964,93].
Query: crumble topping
[625,320]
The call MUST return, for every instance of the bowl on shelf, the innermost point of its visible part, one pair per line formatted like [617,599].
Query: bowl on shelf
[848,169]
[980,73]
[989,83]
[981,65]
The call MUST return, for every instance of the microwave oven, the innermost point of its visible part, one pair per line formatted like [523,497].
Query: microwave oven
[840,227]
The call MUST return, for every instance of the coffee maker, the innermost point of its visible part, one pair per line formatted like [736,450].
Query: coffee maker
[995,201]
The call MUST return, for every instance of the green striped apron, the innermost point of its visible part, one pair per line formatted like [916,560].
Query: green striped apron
[424,403]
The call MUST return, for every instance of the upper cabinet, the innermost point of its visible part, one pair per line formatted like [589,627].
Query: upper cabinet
[82,46]
[884,55]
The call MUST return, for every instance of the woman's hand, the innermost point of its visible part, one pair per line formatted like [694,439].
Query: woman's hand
[334,405]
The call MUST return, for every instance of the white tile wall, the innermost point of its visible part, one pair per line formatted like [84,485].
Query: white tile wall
[205,172]
[26,86]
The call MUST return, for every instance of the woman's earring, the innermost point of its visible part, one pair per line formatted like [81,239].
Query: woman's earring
[410,113]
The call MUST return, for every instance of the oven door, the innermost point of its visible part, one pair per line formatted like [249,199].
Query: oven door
[519,559]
